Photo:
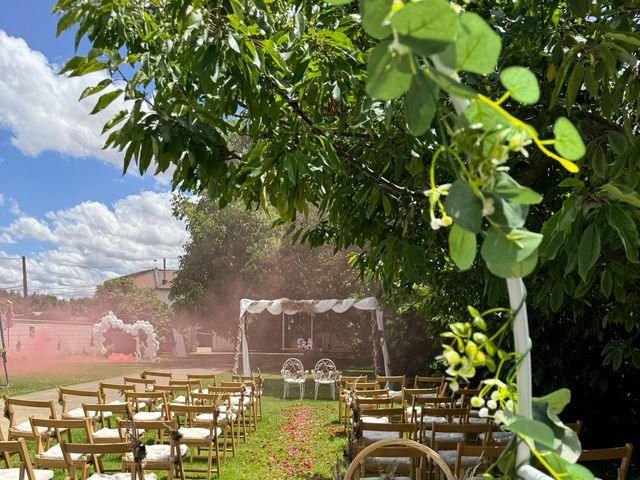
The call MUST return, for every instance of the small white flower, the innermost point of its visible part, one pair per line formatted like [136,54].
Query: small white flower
[509,405]
[435,223]
[477,402]
[492,404]
[498,417]
[453,385]
[483,412]
[488,206]
[495,395]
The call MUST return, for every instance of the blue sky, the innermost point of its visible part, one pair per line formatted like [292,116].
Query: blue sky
[61,197]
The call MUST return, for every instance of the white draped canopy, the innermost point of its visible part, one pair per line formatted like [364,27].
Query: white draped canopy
[291,307]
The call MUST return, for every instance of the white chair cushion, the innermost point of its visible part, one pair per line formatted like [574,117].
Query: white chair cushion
[478,420]
[111,433]
[294,380]
[222,418]
[77,413]
[158,453]
[427,420]
[14,474]
[120,476]
[449,437]
[55,452]
[367,419]
[235,400]
[395,393]
[370,436]
[25,427]
[498,437]
[450,456]
[197,433]
[151,416]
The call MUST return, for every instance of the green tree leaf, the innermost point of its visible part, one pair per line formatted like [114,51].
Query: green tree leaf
[464,207]
[622,193]
[105,100]
[568,140]
[508,188]
[96,88]
[432,20]
[388,74]
[462,247]
[533,429]
[606,283]
[510,255]
[338,2]
[374,13]
[556,400]
[420,104]
[522,84]
[477,45]
[627,231]
[588,251]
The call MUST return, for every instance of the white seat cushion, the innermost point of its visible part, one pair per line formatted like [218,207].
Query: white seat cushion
[294,380]
[14,474]
[498,437]
[427,420]
[55,452]
[120,476]
[76,413]
[196,433]
[235,400]
[370,436]
[222,418]
[448,437]
[367,419]
[450,456]
[25,427]
[111,433]
[395,393]
[150,416]
[158,453]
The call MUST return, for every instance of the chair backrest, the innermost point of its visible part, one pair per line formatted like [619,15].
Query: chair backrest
[154,374]
[19,448]
[364,386]
[397,448]
[65,393]
[57,426]
[216,396]
[486,454]
[48,407]
[472,433]
[92,410]
[147,383]
[419,381]
[156,397]
[191,384]
[392,414]
[292,368]
[173,391]
[381,393]
[617,453]
[205,378]
[119,388]
[390,380]
[88,451]
[325,370]
[190,412]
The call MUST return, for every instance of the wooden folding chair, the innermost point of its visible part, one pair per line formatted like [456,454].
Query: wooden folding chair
[238,407]
[413,400]
[76,455]
[66,395]
[52,457]
[25,471]
[604,454]
[159,456]
[245,397]
[114,391]
[23,429]
[107,434]
[155,399]
[404,455]
[205,379]
[396,385]
[145,384]
[203,434]
[475,458]
[345,386]
[445,438]
[188,387]
[257,382]
[379,414]
[373,432]
[225,418]
[431,416]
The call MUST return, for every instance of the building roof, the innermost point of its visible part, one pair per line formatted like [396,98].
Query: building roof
[153,278]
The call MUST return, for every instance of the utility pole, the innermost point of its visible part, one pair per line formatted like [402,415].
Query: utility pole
[25,291]
[164,270]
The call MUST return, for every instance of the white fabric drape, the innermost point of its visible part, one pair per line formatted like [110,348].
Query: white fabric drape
[291,307]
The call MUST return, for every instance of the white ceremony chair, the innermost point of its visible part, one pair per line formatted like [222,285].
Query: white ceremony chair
[325,373]
[293,374]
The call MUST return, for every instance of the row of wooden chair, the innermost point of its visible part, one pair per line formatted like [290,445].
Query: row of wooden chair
[189,415]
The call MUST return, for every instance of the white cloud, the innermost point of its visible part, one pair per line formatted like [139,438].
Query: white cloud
[94,242]
[42,110]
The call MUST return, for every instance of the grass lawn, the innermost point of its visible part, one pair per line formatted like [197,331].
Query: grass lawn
[297,439]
